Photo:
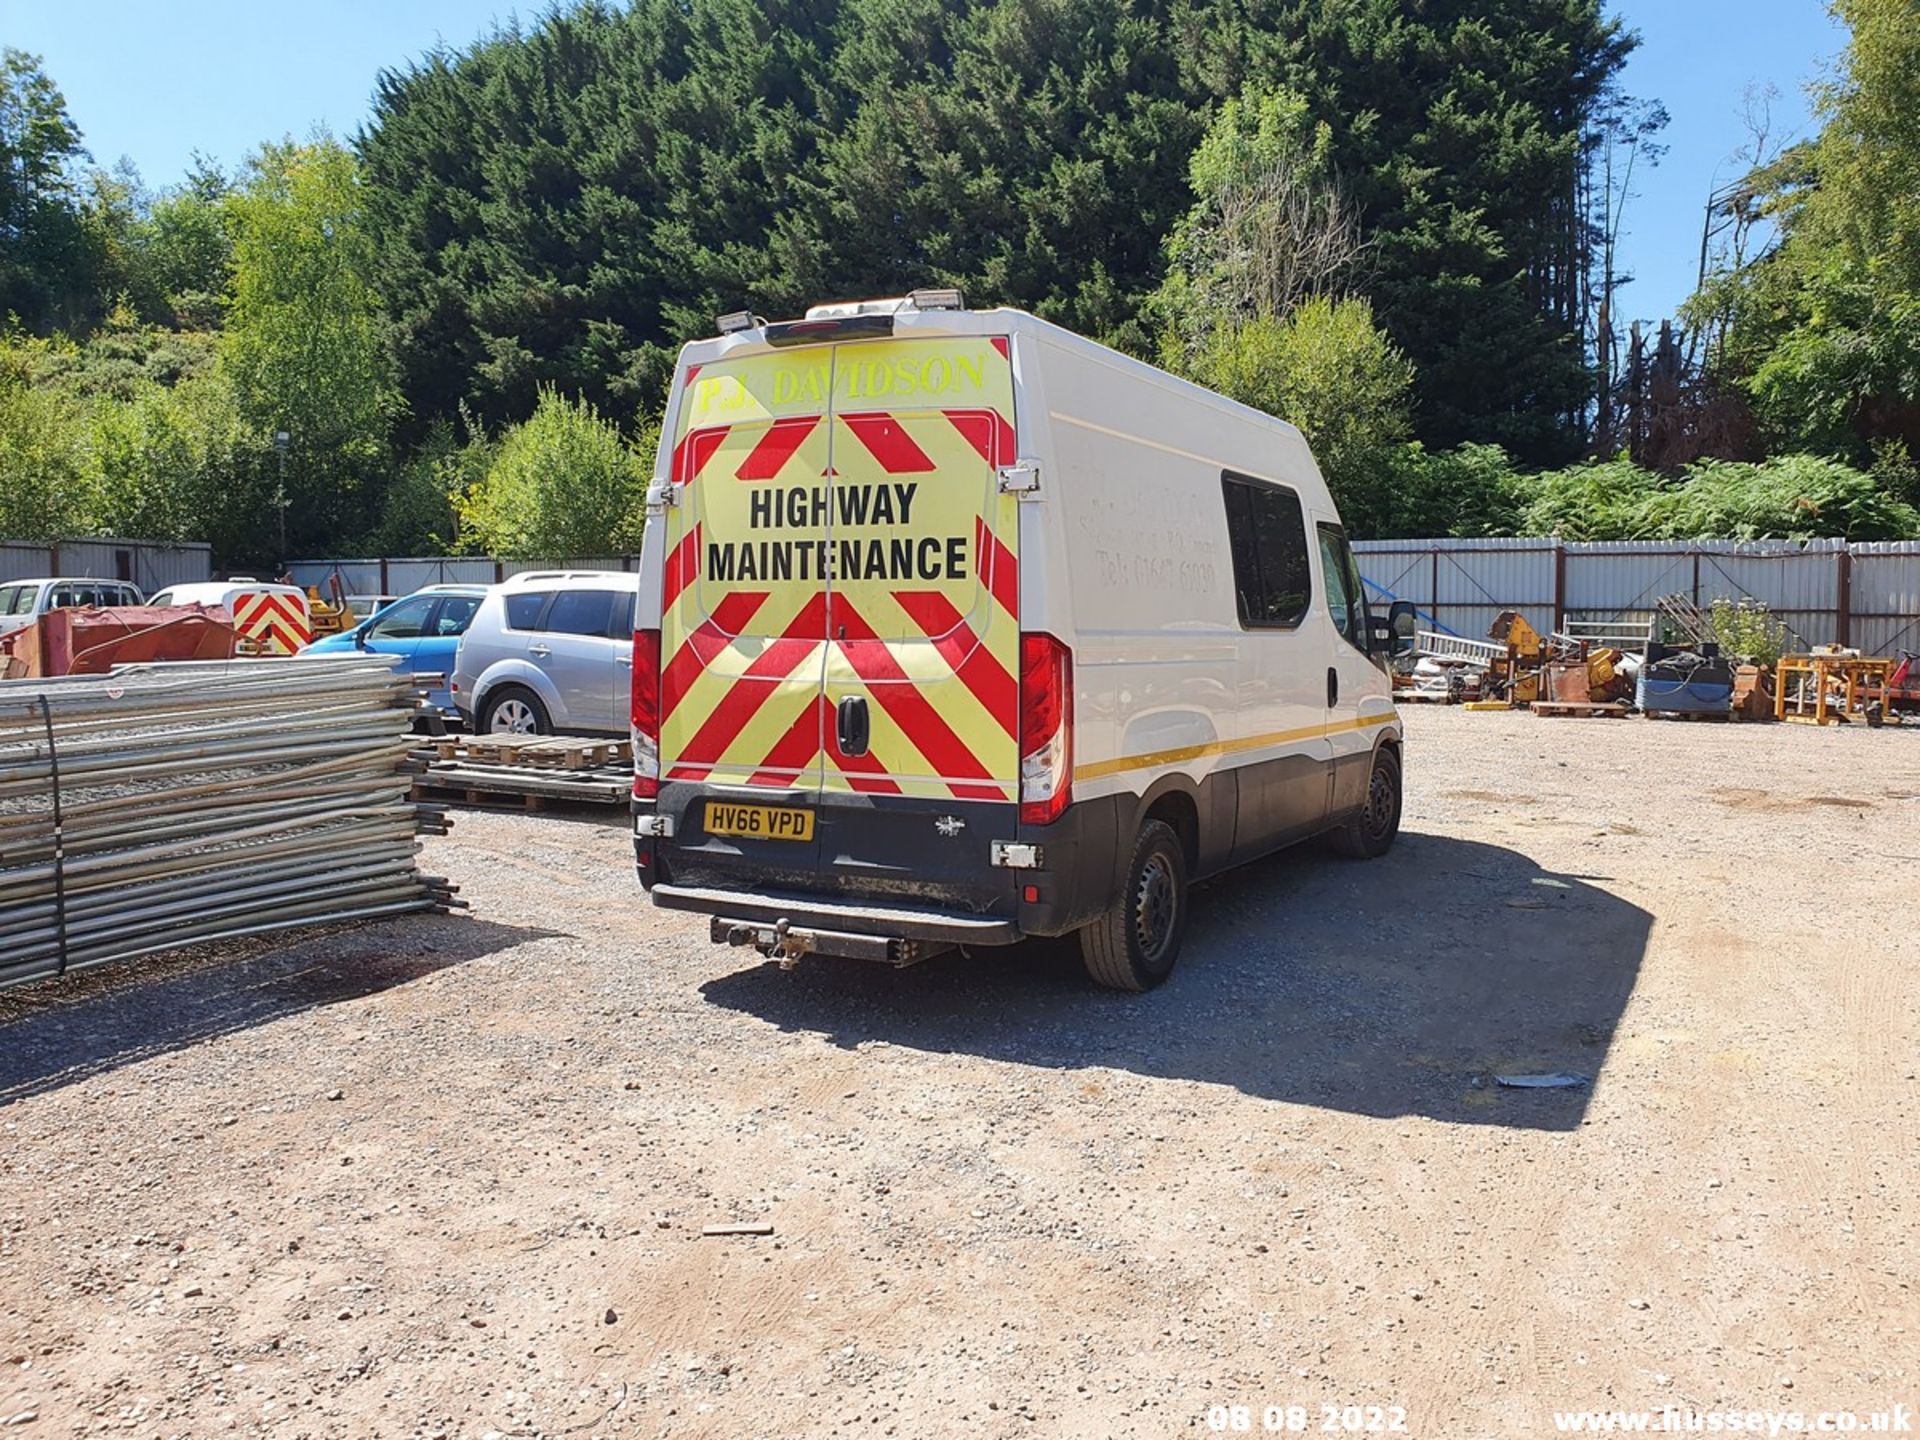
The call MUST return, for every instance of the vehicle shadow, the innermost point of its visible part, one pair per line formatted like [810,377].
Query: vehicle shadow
[1399,987]
[56,1032]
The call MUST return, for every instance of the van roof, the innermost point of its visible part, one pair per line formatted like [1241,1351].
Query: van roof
[907,321]
[222,587]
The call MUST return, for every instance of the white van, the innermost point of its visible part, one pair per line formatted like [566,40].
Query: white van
[273,616]
[955,628]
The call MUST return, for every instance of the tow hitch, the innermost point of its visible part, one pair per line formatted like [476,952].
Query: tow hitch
[786,942]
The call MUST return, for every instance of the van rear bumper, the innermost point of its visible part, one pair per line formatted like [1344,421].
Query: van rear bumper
[813,912]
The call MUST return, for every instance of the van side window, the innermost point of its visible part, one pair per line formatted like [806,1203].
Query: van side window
[523,610]
[1267,534]
[581,612]
[1346,601]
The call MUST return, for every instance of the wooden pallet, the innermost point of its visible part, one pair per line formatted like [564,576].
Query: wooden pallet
[538,752]
[525,785]
[1588,710]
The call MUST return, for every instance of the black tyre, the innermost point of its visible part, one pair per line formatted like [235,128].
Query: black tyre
[514,710]
[1133,946]
[1369,834]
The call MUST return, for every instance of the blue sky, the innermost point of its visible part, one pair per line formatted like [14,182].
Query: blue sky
[156,82]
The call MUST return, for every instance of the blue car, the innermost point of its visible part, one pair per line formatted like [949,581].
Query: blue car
[424,629]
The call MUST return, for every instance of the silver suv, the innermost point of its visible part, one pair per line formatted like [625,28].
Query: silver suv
[548,651]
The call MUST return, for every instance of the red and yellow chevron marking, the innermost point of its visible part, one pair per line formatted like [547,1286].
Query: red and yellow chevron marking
[841,532]
[278,623]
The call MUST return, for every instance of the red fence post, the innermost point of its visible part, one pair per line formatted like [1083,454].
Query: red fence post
[1843,595]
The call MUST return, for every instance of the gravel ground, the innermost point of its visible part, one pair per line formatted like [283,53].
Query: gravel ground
[447,1176]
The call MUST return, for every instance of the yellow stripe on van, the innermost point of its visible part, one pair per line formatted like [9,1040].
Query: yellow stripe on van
[1102,768]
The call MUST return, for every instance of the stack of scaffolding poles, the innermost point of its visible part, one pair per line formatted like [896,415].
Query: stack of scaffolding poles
[168,805]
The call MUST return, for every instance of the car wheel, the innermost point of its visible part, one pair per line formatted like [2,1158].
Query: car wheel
[1370,834]
[1133,946]
[515,710]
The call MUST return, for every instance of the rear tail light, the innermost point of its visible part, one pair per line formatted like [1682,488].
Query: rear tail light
[645,714]
[1046,729]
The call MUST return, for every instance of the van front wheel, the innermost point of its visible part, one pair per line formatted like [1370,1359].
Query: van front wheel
[1370,834]
[1133,946]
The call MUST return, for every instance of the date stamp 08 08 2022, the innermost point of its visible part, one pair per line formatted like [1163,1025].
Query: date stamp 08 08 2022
[1307,1419]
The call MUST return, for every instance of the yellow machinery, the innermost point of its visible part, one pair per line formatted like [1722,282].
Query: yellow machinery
[325,619]
[1513,679]
[1830,686]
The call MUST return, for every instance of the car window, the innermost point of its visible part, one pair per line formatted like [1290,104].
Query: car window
[405,621]
[454,615]
[580,612]
[622,628]
[16,599]
[523,609]
[64,597]
[1345,601]
[1267,538]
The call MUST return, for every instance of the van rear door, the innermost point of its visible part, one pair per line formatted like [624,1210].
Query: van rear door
[744,620]
[922,693]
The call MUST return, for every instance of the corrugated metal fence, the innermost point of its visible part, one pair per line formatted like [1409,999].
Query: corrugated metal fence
[404,575]
[147,563]
[1866,593]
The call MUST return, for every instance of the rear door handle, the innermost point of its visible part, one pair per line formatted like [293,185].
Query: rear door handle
[1333,687]
[626,660]
[541,650]
[852,726]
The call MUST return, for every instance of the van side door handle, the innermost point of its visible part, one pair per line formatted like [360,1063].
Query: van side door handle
[1333,687]
[853,727]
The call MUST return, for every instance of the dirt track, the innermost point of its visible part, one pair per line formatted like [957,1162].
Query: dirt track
[1005,1203]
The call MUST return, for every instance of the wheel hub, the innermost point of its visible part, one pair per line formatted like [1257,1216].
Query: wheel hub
[1154,906]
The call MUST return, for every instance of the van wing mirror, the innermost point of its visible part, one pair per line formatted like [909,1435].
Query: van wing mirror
[1394,632]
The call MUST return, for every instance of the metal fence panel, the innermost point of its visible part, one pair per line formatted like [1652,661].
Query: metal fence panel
[1886,596]
[601,562]
[152,565]
[1458,585]
[1867,593]
[406,576]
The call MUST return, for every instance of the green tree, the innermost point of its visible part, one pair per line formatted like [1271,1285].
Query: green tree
[43,494]
[1329,370]
[178,463]
[1458,130]
[1824,330]
[1471,490]
[420,515]
[305,345]
[186,247]
[1269,228]
[564,485]
[48,263]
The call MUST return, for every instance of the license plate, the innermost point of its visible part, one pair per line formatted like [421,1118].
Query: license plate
[760,822]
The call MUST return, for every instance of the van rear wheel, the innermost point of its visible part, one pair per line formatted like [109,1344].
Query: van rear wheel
[1370,834]
[1133,946]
